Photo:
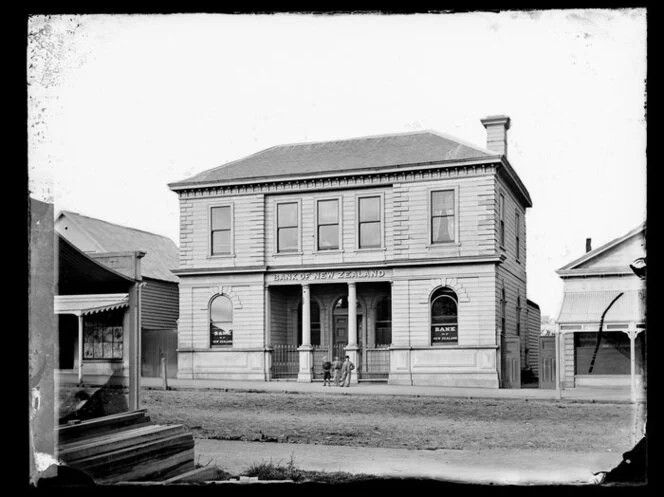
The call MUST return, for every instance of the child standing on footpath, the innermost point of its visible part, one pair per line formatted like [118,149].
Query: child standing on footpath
[337,370]
[327,377]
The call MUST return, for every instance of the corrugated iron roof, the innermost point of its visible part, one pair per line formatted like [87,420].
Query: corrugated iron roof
[343,155]
[161,253]
[587,307]
[89,304]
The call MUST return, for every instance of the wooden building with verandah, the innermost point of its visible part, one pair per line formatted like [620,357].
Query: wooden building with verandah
[603,296]
[159,289]
[406,252]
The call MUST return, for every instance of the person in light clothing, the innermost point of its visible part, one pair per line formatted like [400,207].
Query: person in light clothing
[346,372]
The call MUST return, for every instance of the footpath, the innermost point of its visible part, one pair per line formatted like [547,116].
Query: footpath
[490,466]
[585,394]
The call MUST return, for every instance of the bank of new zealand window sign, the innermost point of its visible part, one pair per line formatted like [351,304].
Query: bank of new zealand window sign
[444,325]
[221,230]
[221,321]
[442,216]
[103,336]
[287,227]
[328,224]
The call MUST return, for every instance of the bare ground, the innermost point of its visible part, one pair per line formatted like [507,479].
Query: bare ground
[395,421]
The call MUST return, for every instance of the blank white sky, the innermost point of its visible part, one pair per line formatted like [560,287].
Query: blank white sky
[122,105]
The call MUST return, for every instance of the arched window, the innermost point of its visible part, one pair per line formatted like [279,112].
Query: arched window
[221,321]
[314,313]
[384,321]
[444,325]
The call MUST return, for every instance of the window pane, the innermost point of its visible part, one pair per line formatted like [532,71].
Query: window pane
[443,310]
[221,309]
[442,229]
[328,211]
[328,237]
[287,215]
[221,242]
[369,235]
[442,203]
[370,209]
[287,239]
[221,218]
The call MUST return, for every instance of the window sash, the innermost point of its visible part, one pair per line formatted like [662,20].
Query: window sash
[220,230]
[518,225]
[287,215]
[221,241]
[443,214]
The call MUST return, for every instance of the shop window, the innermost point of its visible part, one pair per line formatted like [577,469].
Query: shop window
[384,321]
[221,321]
[444,319]
[221,230]
[328,224]
[442,216]
[103,335]
[369,224]
[613,354]
[314,315]
[287,227]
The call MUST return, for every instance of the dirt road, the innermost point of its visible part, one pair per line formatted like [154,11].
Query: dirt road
[396,422]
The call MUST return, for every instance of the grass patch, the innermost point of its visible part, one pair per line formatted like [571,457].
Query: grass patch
[288,471]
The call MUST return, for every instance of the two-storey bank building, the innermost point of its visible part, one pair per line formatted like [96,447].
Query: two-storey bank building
[406,252]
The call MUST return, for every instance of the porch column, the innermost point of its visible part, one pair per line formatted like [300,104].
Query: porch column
[80,348]
[352,348]
[632,333]
[305,373]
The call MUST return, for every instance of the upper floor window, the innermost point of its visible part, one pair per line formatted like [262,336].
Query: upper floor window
[220,230]
[518,228]
[442,216]
[287,227]
[501,219]
[369,224]
[328,224]
[444,327]
[221,321]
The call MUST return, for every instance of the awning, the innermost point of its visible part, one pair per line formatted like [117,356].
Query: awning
[89,304]
[587,307]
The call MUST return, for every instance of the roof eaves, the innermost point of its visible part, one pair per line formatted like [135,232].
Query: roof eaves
[325,174]
[87,256]
[514,177]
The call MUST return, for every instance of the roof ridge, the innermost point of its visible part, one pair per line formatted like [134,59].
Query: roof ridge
[118,225]
[353,138]
[462,142]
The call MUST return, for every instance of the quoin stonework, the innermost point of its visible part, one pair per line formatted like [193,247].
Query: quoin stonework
[406,252]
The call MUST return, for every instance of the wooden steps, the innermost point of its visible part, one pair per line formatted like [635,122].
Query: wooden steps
[127,447]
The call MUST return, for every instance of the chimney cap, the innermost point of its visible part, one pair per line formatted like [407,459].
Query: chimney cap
[499,119]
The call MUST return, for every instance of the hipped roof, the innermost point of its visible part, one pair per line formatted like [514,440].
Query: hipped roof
[353,154]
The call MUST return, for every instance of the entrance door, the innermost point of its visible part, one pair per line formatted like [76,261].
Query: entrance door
[511,362]
[547,365]
[340,330]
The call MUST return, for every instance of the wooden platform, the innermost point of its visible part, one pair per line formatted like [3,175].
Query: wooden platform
[127,447]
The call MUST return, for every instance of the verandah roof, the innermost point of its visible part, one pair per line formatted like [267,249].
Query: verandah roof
[588,307]
[82,305]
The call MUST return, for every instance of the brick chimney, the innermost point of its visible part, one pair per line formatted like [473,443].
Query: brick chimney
[588,246]
[496,133]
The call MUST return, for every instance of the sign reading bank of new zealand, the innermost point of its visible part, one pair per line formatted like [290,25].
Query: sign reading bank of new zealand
[444,333]
[331,276]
